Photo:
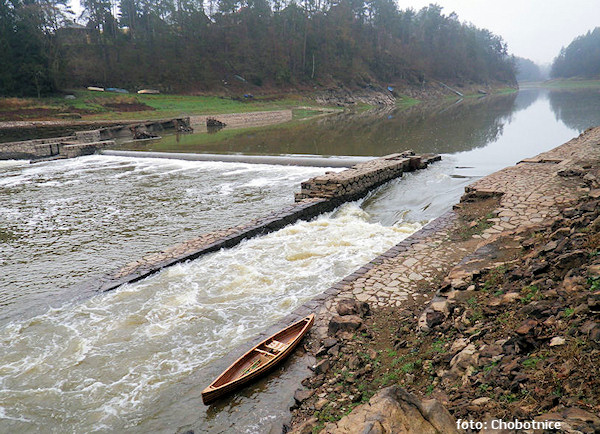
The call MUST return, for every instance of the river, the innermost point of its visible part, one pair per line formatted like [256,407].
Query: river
[136,359]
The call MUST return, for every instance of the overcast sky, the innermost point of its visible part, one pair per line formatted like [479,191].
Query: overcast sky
[534,29]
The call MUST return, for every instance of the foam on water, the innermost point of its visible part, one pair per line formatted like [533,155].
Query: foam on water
[66,220]
[100,364]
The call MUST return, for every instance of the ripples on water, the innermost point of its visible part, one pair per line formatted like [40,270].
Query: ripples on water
[63,221]
[103,363]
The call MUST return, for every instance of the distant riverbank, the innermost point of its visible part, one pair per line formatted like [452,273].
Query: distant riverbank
[73,106]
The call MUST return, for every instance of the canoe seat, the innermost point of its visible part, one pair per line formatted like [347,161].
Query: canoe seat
[276,346]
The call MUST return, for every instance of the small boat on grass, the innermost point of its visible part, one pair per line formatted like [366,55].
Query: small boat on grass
[258,360]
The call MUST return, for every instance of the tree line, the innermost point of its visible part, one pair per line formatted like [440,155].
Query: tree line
[194,45]
[580,59]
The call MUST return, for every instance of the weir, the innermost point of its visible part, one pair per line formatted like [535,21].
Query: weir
[283,160]
[329,191]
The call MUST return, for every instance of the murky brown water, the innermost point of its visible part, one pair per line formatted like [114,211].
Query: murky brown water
[137,359]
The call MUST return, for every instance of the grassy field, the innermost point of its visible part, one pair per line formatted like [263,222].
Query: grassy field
[93,106]
[89,105]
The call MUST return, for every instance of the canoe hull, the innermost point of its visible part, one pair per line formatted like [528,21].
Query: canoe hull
[233,377]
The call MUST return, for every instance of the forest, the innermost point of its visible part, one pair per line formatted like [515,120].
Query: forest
[528,71]
[196,46]
[580,59]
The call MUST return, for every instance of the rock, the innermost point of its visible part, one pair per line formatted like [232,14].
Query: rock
[440,304]
[353,307]
[526,327]
[372,353]
[573,283]
[557,341]
[537,309]
[595,193]
[593,302]
[571,172]
[511,297]
[306,427]
[588,326]
[354,362]
[329,342]
[334,351]
[321,367]
[321,352]
[467,357]
[539,267]
[321,403]
[302,395]
[344,324]
[591,180]
[594,270]
[434,318]
[491,351]
[458,345]
[571,260]
[481,401]
[394,410]
[560,233]
[574,420]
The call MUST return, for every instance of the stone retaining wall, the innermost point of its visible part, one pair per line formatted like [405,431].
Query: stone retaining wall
[31,148]
[84,142]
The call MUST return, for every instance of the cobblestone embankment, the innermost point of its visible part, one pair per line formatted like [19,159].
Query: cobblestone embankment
[420,280]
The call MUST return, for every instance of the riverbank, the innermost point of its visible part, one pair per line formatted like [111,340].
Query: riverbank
[77,106]
[492,310]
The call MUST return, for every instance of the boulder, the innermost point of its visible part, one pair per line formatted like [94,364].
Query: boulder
[571,260]
[574,420]
[302,395]
[353,307]
[344,324]
[394,410]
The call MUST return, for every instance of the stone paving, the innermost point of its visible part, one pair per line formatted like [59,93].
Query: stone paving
[529,193]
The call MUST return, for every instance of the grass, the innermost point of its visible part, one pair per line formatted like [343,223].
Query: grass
[465,231]
[594,283]
[406,101]
[95,105]
[530,293]
[568,312]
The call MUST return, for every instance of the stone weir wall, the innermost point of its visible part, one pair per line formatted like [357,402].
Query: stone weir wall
[363,177]
[86,142]
[358,181]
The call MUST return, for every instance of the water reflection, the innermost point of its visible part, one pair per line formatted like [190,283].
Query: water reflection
[577,109]
[449,127]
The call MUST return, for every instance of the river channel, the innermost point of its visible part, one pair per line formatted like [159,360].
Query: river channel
[136,359]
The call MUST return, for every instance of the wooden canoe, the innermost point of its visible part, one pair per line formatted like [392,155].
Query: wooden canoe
[258,360]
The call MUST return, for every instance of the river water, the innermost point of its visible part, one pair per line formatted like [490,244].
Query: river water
[137,358]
